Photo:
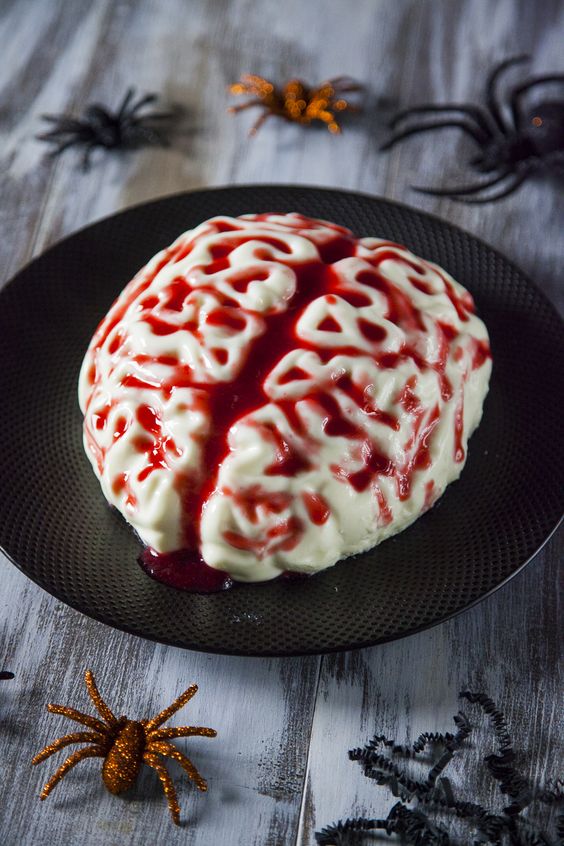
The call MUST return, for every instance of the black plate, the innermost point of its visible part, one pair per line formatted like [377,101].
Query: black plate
[57,528]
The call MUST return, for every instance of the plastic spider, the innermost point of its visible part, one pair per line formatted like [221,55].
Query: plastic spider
[126,745]
[296,101]
[514,140]
[126,128]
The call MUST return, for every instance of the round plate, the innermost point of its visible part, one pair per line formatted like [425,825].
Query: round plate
[54,521]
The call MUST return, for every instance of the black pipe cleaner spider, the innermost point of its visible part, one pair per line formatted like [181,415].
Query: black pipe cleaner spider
[512,145]
[125,128]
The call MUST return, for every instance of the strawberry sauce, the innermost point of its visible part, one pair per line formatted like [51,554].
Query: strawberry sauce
[225,402]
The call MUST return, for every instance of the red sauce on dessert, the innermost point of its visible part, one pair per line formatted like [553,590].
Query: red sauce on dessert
[226,402]
[185,570]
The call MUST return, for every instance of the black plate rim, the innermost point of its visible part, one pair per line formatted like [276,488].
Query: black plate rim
[302,651]
[294,653]
[295,187]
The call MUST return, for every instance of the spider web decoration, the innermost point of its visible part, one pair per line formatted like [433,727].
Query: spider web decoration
[515,140]
[381,760]
[129,127]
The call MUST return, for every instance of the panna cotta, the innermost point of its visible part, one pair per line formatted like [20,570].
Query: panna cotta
[271,394]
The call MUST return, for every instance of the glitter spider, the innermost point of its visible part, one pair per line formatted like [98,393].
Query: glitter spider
[126,745]
[512,146]
[126,128]
[296,101]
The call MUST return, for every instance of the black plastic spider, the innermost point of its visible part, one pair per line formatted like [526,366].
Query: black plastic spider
[125,128]
[512,146]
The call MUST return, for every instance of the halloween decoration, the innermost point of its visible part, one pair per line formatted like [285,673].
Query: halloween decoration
[296,101]
[125,745]
[514,140]
[129,127]
[383,761]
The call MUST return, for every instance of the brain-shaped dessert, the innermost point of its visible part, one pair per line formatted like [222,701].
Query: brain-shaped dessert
[272,394]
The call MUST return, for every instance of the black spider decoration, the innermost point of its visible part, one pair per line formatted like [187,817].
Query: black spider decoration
[126,128]
[514,140]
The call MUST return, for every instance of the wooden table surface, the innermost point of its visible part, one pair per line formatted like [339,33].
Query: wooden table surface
[279,769]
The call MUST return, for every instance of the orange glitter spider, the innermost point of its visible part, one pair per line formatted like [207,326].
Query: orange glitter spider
[296,101]
[126,745]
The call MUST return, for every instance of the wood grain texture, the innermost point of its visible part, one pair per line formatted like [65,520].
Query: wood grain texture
[278,769]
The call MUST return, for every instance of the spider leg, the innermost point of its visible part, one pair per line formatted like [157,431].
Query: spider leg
[94,694]
[518,179]
[465,189]
[243,106]
[156,116]
[170,751]
[61,147]
[491,84]
[167,783]
[413,130]
[181,731]
[476,113]
[143,101]
[78,717]
[72,760]
[85,167]
[77,737]
[178,703]
[517,182]
[258,123]
[58,136]
[129,94]
[517,93]
[328,119]
[63,123]
[57,118]
[344,84]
